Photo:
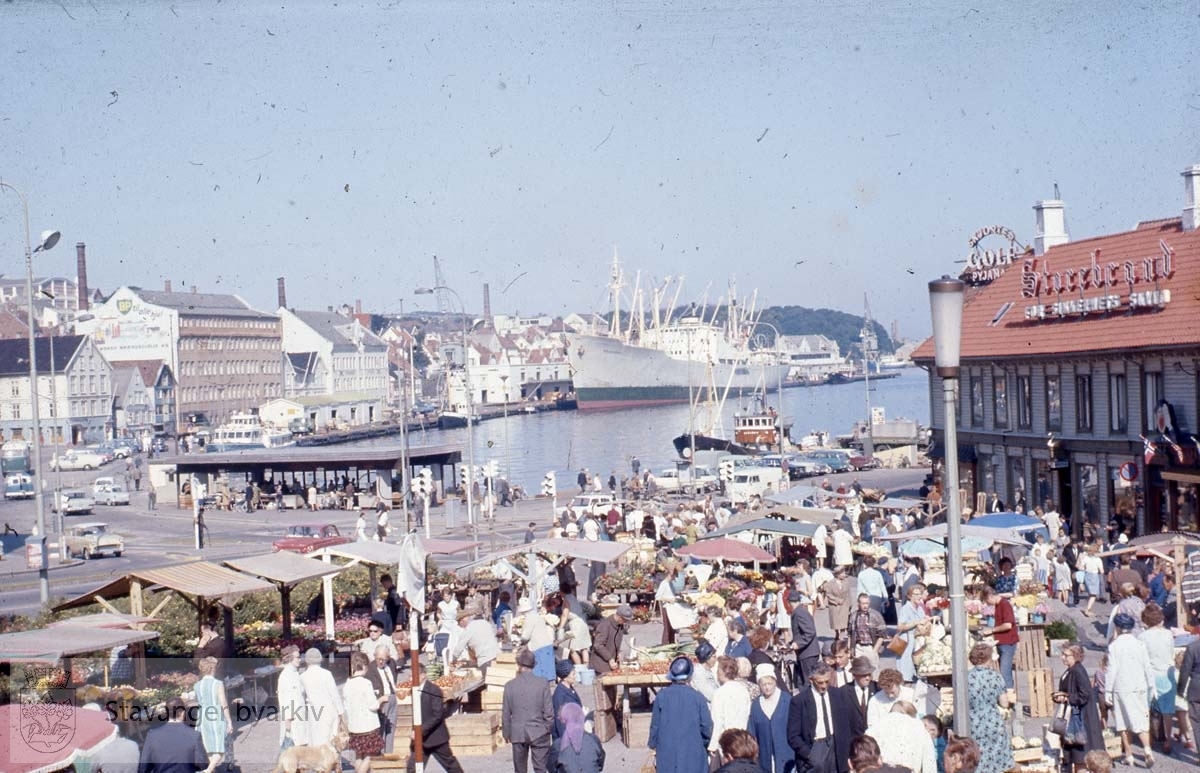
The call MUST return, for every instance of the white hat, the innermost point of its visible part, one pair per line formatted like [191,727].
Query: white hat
[524,605]
[1123,538]
[764,671]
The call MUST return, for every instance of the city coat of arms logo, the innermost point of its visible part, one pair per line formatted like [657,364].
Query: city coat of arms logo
[47,722]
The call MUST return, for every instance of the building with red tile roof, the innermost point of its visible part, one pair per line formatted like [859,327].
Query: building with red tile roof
[1079,386]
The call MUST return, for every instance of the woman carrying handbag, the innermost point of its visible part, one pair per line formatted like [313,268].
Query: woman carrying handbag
[1077,702]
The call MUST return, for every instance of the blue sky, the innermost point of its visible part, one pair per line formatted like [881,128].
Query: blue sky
[814,151]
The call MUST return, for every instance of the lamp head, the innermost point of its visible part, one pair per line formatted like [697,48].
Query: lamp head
[423,291]
[48,240]
[946,305]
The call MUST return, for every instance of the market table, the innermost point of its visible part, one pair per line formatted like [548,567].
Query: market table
[612,696]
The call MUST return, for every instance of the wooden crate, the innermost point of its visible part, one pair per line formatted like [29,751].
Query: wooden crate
[475,734]
[391,763]
[1041,690]
[500,674]
[635,729]
[1021,755]
[606,712]
[1031,649]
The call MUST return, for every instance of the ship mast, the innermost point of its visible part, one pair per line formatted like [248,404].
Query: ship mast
[614,290]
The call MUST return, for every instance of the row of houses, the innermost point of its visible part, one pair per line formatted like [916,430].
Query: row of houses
[141,361]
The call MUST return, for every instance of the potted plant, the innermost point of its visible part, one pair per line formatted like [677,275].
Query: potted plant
[1058,633]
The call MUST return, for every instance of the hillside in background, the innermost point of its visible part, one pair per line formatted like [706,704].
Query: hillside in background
[837,325]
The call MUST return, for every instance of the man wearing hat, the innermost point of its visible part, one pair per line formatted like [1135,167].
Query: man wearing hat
[858,692]
[477,635]
[607,638]
[527,716]
[681,725]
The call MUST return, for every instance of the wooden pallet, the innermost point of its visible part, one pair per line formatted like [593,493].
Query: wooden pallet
[1030,654]
[1041,690]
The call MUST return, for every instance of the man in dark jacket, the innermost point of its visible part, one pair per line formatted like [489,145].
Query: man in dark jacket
[681,724]
[435,737]
[857,694]
[607,638]
[819,725]
[804,639]
[383,676]
[527,716]
[173,747]
[1189,684]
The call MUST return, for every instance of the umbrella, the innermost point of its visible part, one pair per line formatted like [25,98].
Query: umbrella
[1015,521]
[921,548]
[50,736]
[725,549]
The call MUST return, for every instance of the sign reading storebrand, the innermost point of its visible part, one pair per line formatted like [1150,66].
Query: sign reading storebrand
[986,265]
[1133,276]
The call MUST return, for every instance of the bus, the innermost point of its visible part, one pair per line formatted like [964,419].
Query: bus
[16,465]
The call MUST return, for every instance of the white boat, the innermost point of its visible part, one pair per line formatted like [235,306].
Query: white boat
[244,432]
[653,362]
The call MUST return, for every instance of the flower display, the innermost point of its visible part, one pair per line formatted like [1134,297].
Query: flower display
[634,577]
[974,607]
[1026,600]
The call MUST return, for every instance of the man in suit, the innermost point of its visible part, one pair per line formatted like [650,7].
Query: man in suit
[857,694]
[804,639]
[174,746]
[1189,685]
[819,725]
[435,737]
[527,716]
[382,674]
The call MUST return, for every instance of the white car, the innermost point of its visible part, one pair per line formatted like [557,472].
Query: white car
[88,540]
[73,502]
[591,504]
[107,491]
[81,459]
[701,479]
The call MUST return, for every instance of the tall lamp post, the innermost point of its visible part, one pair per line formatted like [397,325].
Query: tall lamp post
[946,305]
[469,484]
[48,239]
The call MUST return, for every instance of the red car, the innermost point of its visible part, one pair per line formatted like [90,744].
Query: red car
[865,462]
[305,538]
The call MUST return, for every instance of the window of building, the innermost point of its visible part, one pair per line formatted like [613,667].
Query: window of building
[1083,403]
[1000,400]
[976,401]
[1024,402]
[1053,404]
[1043,490]
[1016,485]
[1152,393]
[15,388]
[1118,404]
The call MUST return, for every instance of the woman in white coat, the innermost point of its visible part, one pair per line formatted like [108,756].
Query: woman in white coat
[1128,686]
[325,707]
[289,696]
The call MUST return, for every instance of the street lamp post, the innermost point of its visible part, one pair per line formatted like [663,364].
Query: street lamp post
[470,483]
[48,239]
[946,305]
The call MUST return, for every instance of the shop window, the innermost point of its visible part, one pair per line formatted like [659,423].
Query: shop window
[1016,485]
[1152,393]
[1118,404]
[1185,507]
[1089,499]
[976,401]
[1024,402]
[1043,490]
[1053,404]
[1083,403]
[1000,400]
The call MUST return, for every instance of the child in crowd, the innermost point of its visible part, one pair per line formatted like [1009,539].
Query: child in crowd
[937,731]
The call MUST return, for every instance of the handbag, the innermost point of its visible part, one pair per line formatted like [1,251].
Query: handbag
[897,645]
[1069,726]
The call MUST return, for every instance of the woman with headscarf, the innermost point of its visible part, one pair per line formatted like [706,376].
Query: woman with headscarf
[985,696]
[1076,691]
[564,693]
[325,708]
[768,723]
[578,750]
[1128,686]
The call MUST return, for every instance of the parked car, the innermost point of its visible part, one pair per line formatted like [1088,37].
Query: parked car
[103,450]
[78,459]
[18,485]
[73,502]
[700,478]
[133,444]
[88,540]
[305,538]
[865,462]
[117,450]
[109,491]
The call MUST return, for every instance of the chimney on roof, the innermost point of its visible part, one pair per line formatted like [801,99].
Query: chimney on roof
[487,305]
[81,275]
[167,285]
[1191,191]
[358,306]
[281,292]
[1051,229]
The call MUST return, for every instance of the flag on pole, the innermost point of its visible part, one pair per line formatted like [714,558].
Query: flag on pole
[410,572]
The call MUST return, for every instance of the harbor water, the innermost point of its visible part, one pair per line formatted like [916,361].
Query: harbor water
[530,445]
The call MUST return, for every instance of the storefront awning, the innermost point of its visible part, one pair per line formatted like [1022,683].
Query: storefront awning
[51,644]
[937,450]
[1181,477]
[201,579]
[282,567]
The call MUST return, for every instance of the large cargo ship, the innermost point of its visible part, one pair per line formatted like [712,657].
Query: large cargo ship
[659,359]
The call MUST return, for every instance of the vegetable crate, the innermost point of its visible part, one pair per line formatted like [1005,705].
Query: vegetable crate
[635,729]
[1041,691]
[475,735]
